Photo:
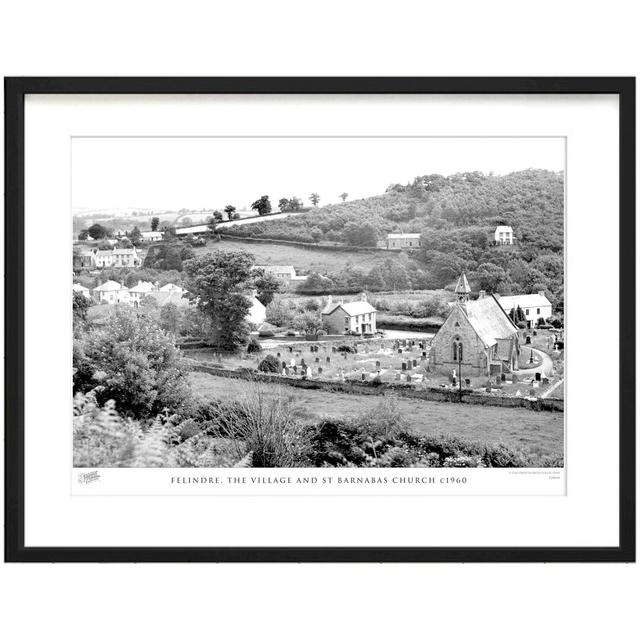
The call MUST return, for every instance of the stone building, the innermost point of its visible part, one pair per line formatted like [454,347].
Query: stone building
[478,337]
[349,317]
[403,240]
[503,235]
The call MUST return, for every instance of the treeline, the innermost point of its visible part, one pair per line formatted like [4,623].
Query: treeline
[456,217]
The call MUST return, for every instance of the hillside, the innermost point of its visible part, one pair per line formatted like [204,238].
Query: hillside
[456,216]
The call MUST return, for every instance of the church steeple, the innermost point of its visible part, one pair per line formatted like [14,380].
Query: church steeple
[462,288]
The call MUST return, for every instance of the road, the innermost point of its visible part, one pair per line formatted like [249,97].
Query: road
[201,228]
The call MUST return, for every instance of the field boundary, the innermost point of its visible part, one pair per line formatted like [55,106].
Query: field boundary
[404,390]
[306,245]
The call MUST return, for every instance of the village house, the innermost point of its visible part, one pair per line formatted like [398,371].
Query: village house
[151,236]
[503,235]
[85,259]
[78,288]
[104,258]
[111,292]
[285,274]
[349,317]
[536,306]
[137,293]
[478,338]
[403,240]
[172,288]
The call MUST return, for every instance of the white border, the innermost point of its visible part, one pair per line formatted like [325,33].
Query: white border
[53,517]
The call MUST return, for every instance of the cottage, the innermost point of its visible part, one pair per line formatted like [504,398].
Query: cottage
[111,292]
[78,288]
[478,338]
[536,306]
[503,235]
[285,274]
[403,240]
[84,259]
[173,288]
[137,293]
[349,317]
[151,236]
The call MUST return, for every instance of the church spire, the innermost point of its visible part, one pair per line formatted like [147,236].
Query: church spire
[462,288]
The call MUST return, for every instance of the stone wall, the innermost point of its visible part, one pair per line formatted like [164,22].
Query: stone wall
[404,390]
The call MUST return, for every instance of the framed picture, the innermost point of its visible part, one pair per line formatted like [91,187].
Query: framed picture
[320,319]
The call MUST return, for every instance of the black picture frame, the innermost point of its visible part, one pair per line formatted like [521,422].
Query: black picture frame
[15,91]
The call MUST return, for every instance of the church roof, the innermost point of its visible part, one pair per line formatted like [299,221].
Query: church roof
[463,284]
[488,319]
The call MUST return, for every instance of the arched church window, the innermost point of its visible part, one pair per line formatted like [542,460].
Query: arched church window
[457,349]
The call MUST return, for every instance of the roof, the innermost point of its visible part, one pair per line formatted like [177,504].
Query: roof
[149,234]
[403,235]
[525,301]
[169,297]
[104,252]
[143,287]
[503,227]
[124,251]
[488,319]
[463,284]
[110,285]
[350,308]
[78,287]
[170,286]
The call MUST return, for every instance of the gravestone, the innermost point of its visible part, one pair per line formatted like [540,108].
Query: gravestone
[317,359]
[295,368]
[398,376]
[545,382]
[409,365]
[328,359]
[290,349]
[503,377]
[415,363]
[399,350]
[538,376]
[514,378]
[467,381]
[333,349]
[408,378]
[527,340]
[278,355]
[364,375]
[404,366]
[319,371]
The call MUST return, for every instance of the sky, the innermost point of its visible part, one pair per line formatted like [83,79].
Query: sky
[206,173]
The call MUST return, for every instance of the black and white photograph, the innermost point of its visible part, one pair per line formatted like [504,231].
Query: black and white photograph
[318,302]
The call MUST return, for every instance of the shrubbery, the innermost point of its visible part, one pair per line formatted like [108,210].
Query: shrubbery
[269,364]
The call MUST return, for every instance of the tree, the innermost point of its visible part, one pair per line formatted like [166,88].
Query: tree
[344,195]
[124,243]
[230,210]
[135,236]
[316,234]
[154,223]
[83,235]
[98,232]
[262,205]
[315,199]
[490,276]
[80,305]
[131,360]
[283,204]
[169,234]
[266,284]
[217,216]
[360,235]
[220,283]
[289,204]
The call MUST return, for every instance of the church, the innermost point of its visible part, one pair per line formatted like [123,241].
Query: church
[478,337]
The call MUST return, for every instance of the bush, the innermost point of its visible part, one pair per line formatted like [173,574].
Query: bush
[254,345]
[269,364]
[346,348]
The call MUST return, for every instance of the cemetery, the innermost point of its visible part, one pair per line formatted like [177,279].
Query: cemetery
[402,364]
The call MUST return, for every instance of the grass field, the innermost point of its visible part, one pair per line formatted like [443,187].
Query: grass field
[536,432]
[304,260]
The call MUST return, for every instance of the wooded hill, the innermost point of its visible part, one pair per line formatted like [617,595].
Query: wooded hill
[456,216]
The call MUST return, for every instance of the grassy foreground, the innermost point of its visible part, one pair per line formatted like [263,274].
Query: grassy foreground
[537,433]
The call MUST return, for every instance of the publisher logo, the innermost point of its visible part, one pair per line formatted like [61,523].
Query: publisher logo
[88,477]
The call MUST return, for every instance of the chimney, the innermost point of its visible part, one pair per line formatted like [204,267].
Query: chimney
[329,300]
[541,293]
[482,293]
[254,293]
[363,296]
[139,282]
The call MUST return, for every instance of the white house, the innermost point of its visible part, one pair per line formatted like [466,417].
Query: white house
[285,274]
[534,305]
[78,288]
[117,258]
[111,292]
[345,317]
[503,235]
[173,288]
[137,293]
[403,240]
[151,236]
